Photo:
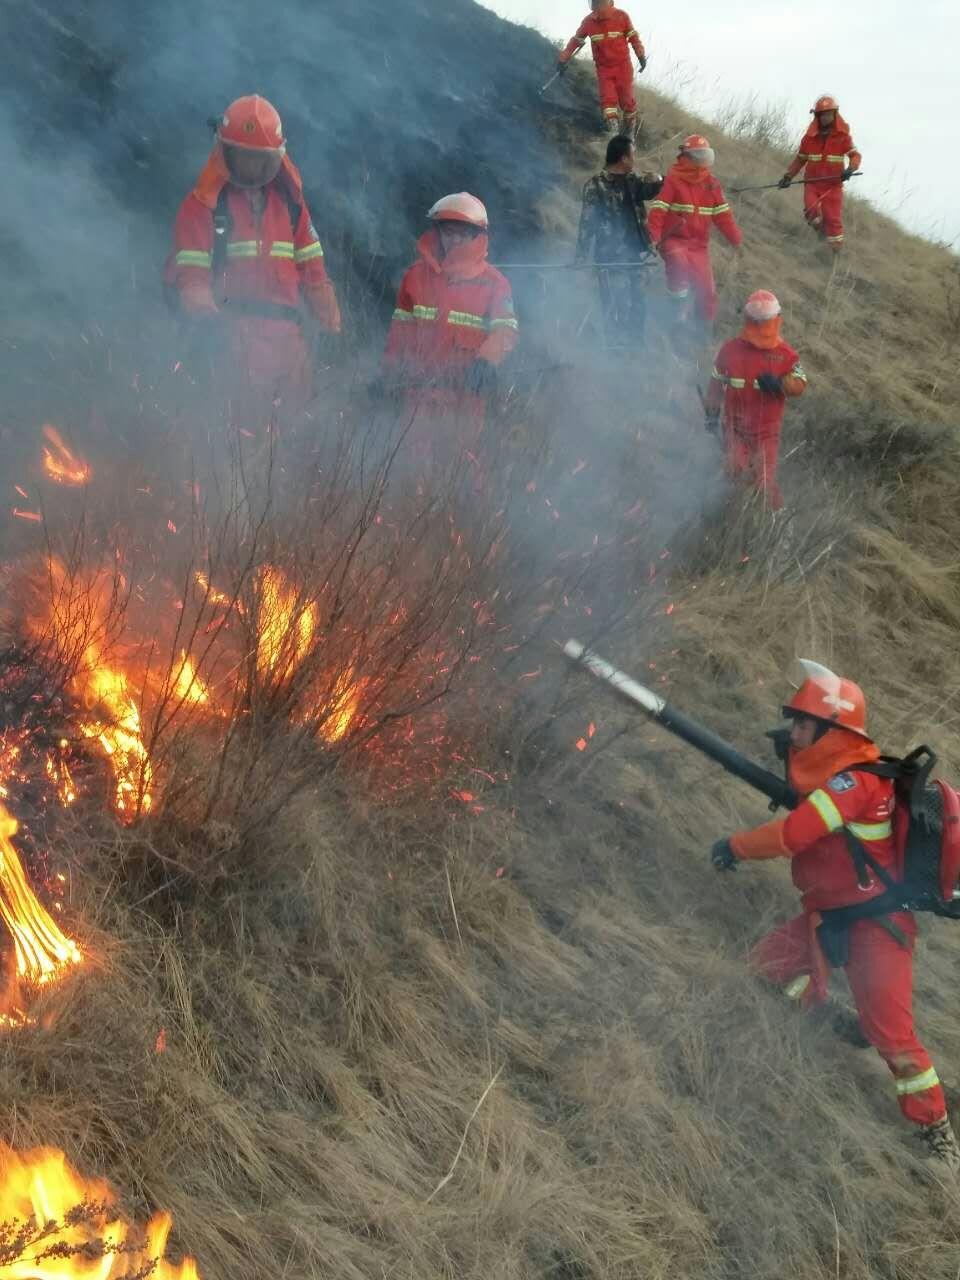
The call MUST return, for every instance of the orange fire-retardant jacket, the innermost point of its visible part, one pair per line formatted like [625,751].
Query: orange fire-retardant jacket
[609,31]
[450,312]
[267,259]
[825,156]
[812,835]
[690,203]
[748,411]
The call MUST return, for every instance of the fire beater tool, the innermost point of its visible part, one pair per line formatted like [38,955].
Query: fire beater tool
[803,182]
[682,726]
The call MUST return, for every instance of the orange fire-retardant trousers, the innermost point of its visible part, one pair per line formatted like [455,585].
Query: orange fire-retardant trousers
[272,369]
[754,461]
[823,208]
[688,269]
[880,974]
[616,91]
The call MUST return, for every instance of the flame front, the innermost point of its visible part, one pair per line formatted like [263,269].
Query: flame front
[66,1227]
[120,734]
[60,463]
[43,952]
[285,625]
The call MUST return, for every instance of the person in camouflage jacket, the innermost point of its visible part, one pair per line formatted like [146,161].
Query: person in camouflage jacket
[613,229]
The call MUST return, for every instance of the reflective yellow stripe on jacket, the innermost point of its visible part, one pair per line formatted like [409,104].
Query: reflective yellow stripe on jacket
[308,252]
[705,210]
[194,258]
[833,820]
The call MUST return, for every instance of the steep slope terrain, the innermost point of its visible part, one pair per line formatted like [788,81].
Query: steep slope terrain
[501,1026]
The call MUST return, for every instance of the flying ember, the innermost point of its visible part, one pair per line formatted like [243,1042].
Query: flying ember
[59,462]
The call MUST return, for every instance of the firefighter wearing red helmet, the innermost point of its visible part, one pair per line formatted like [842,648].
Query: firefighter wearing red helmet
[612,35]
[453,325]
[690,204]
[246,251]
[753,376]
[844,807]
[828,155]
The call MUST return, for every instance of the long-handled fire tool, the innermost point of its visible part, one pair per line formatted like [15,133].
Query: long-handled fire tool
[803,182]
[697,735]
[556,76]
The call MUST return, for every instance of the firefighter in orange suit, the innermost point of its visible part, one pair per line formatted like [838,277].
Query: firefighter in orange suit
[246,253]
[829,747]
[753,376]
[829,158]
[454,324]
[612,35]
[690,204]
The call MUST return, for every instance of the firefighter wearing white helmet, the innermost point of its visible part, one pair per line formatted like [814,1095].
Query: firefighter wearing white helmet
[453,325]
[690,205]
[753,376]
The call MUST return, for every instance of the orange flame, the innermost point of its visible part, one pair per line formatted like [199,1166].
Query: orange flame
[120,734]
[344,706]
[188,686]
[70,1226]
[59,462]
[43,952]
[285,625]
[78,618]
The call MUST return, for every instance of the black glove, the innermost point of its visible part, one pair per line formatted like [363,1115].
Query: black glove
[847,175]
[770,384]
[481,378]
[642,59]
[712,422]
[785,182]
[723,857]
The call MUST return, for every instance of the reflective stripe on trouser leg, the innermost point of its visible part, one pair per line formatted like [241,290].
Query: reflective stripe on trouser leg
[798,988]
[880,973]
[919,1093]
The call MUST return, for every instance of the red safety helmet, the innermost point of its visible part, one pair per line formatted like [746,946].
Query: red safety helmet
[698,149]
[830,698]
[826,103]
[252,124]
[762,305]
[462,207]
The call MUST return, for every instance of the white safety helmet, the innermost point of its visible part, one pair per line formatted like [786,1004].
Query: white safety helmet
[461,207]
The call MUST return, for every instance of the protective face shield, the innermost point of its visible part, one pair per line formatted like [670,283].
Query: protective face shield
[453,234]
[251,168]
[703,156]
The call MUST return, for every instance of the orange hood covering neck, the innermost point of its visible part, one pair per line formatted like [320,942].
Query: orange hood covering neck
[215,176]
[466,262]
[763,334]
[836,751]
[839,126]
[690,172]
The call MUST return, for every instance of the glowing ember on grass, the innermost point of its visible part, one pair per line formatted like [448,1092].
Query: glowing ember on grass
[67,1226]
[60,463]
[43,952]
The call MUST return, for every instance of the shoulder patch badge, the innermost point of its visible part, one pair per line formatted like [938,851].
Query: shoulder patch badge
[842,782]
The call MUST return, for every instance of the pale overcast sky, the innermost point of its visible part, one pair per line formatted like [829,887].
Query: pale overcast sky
[893,66]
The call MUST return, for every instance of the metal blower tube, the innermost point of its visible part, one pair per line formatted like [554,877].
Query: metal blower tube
[697,735]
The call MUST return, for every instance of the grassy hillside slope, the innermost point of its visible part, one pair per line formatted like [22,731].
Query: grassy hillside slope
[421,1042]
